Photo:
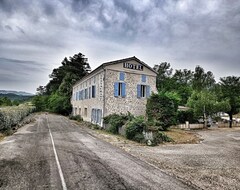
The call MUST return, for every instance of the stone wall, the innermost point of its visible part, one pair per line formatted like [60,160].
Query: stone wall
[93,103]
[131,103]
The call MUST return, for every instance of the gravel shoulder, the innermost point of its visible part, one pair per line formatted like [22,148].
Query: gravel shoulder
[212,163]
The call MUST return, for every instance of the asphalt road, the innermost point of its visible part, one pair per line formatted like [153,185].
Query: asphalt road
[54,153]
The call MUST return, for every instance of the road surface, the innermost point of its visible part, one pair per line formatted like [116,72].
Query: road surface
[54,153]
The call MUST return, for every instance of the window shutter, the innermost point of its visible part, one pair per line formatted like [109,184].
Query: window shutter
[83,94]
[122,76]
[79,95]
[148,91]
[123,89]
[144,78]
[116,89]
[138,90]
[89,92]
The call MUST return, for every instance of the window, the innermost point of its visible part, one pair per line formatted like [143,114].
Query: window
[143,91]
[122,76]
[144,78]
[96,116]
[85,112]
[93,91]
[119,89]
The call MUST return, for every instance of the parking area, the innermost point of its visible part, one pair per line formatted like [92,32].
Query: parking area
[214,163]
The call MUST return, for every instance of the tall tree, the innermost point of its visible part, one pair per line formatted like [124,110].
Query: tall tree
[182,80]
[230,91]
[164,76]
[202,80]
[59,88]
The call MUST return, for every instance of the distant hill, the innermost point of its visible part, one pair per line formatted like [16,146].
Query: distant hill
[20,93]
[15,95]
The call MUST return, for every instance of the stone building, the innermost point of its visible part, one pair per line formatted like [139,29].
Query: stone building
[119,86]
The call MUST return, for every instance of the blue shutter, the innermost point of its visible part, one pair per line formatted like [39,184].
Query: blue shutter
[79,95]
[144,78]
[138,90]
[148,91]
[123,90]
[122,76]
[83,94]
[116,89]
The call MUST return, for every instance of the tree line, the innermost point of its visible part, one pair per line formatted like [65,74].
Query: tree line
[199,90]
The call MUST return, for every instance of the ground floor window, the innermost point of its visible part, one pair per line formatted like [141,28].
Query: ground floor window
[96,116]
[85,112]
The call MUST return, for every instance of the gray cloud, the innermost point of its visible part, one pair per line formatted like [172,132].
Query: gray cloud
[185,33]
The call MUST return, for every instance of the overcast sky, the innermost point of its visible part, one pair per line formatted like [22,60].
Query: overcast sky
[35,35]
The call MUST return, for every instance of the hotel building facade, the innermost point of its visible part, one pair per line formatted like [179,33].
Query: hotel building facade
[119,86]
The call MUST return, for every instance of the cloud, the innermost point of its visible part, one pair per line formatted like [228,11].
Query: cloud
[183,32]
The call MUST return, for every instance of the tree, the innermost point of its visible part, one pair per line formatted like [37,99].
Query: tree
[164,71]
[230,91]
[182,80]
[59,88]
[162,109]
[205,104]
[202,80]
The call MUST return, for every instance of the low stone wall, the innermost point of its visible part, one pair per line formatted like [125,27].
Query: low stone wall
[226,125]
[189,126]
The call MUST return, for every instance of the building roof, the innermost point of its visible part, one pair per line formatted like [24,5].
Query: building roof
[116,62]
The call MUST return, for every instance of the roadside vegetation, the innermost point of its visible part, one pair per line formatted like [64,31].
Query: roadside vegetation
[11,116]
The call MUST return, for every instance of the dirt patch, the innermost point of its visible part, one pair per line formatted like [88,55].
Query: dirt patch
[183,137]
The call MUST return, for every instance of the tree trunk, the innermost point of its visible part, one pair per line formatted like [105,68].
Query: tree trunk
[231,120]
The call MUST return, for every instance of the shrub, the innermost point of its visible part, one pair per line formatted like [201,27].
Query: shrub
[11,116]
[76,117]
[115,121]
[188,115]
[135,128]
[162,109]
[160,137]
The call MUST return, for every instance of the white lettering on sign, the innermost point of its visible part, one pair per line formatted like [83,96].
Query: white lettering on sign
[133,66]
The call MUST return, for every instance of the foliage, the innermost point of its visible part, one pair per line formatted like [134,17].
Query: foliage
[115,121]
[76,117]
[59,88]
[202,80]
[162,109]
[160,137]
[230,92]
[59,104]
[206,102]
[188,115]
[11,116]
[134,129]
[5,101]
[40,102]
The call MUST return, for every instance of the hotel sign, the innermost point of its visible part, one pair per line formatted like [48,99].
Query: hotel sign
[133,66]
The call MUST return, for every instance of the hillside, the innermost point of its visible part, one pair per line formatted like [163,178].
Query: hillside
[16,95]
